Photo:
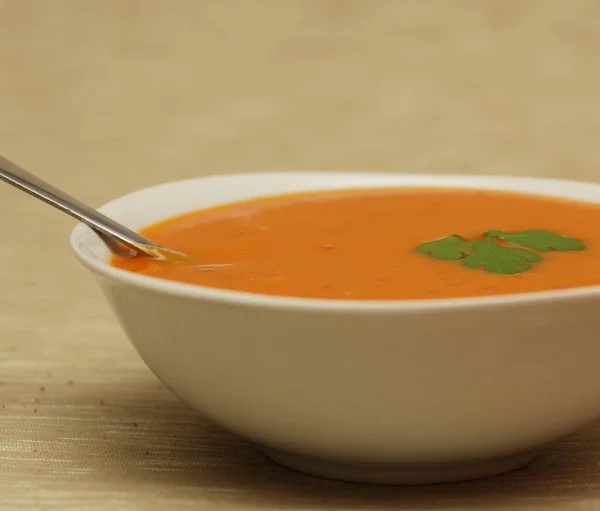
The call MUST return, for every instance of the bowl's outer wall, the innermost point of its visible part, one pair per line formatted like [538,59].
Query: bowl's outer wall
[413,386]
[437,384]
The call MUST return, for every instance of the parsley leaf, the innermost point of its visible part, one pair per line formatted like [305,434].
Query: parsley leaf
[542,241]
[494,258]
[487,253]
[449,248]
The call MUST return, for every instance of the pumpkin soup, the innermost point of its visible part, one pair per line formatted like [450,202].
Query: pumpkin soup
[384,244]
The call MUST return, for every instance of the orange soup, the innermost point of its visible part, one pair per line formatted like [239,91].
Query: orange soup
[385,244]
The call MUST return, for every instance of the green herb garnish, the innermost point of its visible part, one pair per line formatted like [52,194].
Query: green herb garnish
[493,257]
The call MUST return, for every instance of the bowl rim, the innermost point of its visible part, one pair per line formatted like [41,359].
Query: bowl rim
[276,302]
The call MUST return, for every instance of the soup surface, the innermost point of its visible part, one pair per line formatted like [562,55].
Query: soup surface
[368,244]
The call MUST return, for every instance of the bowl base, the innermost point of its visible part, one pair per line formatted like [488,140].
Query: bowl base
[400,474]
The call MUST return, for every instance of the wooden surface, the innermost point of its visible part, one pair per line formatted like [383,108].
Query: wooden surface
[106,96]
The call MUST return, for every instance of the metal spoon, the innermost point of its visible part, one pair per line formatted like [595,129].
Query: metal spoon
[111,232]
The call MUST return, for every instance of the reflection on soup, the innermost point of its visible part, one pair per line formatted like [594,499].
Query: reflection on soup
[385,244]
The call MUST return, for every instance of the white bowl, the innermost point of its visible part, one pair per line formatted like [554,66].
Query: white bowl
[389,392]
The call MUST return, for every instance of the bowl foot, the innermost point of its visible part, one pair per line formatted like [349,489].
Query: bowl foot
[403,474]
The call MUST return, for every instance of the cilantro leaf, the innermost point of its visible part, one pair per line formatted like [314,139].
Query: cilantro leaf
[450,248]
[542,241]
[489,254]
[494,258]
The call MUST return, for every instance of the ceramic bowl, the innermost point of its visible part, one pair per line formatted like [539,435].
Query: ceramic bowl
[401,392]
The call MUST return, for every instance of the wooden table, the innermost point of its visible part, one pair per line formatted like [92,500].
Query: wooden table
[105,96]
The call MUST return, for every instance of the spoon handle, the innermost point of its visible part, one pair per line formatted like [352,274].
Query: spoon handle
[23,180]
